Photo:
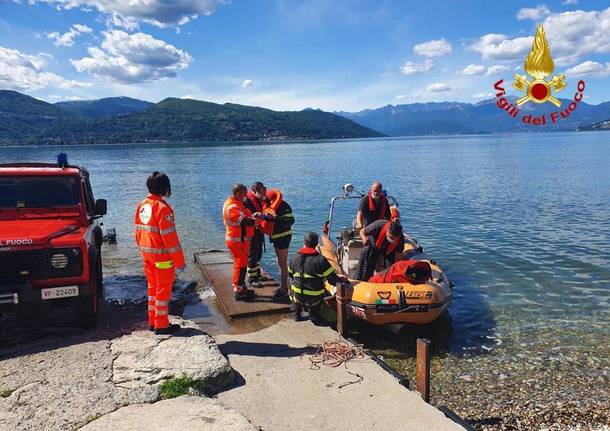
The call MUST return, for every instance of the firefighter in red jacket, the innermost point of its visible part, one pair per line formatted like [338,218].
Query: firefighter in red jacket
[160,248]
[240,226]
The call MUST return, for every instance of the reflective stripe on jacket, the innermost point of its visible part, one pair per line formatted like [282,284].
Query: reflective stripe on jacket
[308,270]
[233,212]
[156,235]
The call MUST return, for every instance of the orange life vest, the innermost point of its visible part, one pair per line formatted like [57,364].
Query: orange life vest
[383,205]
[156,234]
[381,238]
[265,226]
[405,271]
[233,212]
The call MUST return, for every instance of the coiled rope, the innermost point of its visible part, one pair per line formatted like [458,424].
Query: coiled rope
[333,353]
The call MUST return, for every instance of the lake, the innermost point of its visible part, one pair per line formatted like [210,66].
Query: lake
[520,223]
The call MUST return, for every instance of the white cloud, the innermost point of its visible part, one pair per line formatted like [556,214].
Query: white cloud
[571,34]
[188,97]
[25,72]
[589,68]
[473,69]
[132,58]
[499,47]
[411,68]
[534,14]
[247,83]
[568,2]
[483,95]
[67,38]
[433,48]
[497,69]
[400,97]
[127,13]
[575,34]
[438,88]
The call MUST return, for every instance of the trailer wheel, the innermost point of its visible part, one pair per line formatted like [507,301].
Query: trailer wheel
[87,306]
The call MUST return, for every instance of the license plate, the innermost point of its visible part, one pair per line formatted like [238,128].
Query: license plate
[59,292]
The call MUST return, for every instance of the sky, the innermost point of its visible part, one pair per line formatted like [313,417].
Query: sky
[336,55]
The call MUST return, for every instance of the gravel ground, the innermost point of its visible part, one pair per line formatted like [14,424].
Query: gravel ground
[546,384]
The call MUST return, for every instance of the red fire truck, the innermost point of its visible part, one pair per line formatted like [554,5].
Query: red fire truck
[50,240]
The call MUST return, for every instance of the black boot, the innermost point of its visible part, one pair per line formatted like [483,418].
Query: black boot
[296,313]
[245,295]
[171,329]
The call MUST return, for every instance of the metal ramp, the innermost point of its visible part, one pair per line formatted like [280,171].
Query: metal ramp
[217,269]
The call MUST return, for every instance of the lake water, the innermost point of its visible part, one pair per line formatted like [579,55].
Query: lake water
[520,222]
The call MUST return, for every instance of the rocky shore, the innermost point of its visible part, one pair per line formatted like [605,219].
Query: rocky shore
[549,383]
[104,378]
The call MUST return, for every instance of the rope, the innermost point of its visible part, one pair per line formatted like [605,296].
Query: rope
[334,353]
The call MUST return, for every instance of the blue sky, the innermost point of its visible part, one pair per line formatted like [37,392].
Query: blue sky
[290,55]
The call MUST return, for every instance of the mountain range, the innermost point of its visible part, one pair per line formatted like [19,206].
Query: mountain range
[466,118]
[26,120]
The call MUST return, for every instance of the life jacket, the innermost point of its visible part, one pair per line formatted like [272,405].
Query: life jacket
[405,271]
[233,212]
[278,207]
[257,203]
[156,234]
[383,206]
[381,239]
[275,198]
[262,206]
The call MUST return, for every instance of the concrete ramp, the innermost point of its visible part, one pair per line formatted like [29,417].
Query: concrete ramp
[217,268]
[279,391]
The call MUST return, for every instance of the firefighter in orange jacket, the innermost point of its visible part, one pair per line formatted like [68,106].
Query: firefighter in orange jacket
[240,225]
[160,249]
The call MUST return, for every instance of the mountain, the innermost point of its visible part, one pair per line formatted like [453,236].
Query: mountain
[23,116]
[601,125]
[107,107]
[186,120]
[26,120]
[462,118]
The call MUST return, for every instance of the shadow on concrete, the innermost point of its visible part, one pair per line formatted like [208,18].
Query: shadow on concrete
[245,348]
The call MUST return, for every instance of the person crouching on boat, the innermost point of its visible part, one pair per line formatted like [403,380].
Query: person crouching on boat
[308,270]
[374,206]
[160,248]
[380,238]
[240,223]
[405,271]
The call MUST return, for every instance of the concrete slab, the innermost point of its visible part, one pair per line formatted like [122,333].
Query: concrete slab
[279,391]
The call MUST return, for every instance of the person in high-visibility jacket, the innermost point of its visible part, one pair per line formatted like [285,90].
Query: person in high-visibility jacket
[160,248]
[308,270]
[239,230]
[281,214]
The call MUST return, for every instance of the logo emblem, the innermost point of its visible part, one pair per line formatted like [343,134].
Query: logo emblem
[145,213]
[539,64]
[384,294]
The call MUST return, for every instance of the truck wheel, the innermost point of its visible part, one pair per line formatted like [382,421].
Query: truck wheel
[87,306]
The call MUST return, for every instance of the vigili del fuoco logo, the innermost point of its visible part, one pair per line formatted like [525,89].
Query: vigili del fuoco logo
[539,66]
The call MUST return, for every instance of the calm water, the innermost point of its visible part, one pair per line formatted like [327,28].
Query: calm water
[520,222]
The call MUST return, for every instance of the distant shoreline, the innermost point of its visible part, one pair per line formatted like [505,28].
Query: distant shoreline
[297,141]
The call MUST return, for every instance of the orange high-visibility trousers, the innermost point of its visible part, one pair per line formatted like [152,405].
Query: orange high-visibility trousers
[160,282]
[240,251]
